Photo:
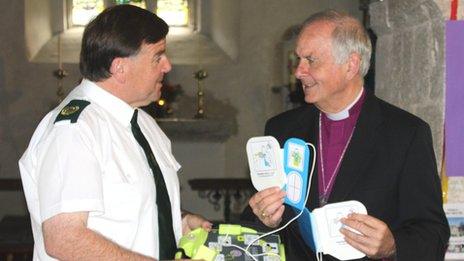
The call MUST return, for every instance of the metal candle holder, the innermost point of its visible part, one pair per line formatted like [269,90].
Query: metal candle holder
[60,74]
[199,76]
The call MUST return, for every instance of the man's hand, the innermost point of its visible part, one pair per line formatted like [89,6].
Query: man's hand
[191,221]
[376,240]
[268,206]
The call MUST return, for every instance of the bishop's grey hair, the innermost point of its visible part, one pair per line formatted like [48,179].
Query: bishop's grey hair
[349,36]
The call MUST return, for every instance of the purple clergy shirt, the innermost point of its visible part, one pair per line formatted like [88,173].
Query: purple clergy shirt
[335,136]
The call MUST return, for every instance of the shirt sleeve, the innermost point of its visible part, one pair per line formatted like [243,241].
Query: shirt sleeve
[69,174]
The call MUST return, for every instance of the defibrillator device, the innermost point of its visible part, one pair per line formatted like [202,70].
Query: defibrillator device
[230,242]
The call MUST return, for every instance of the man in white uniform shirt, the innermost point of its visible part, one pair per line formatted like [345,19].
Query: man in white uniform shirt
[99,177]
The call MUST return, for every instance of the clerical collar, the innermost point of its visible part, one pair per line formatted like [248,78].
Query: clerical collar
[345,113]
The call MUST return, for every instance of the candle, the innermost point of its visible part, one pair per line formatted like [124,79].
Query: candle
[60,63]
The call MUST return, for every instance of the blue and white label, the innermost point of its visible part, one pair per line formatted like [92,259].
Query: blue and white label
[296,161]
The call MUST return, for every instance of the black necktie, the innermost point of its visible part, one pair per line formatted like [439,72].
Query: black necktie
[166,239]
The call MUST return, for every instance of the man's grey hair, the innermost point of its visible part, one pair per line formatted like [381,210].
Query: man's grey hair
[349,36]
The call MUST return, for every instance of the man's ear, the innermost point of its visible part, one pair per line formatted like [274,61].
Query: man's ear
[354,64]
[118,69]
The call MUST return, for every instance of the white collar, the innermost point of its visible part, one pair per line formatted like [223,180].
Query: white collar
[116,107]
[345,113]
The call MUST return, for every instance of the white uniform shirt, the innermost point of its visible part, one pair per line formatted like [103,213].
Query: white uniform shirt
[96,165]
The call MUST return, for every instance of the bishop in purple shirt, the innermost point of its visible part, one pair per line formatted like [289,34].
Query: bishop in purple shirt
[368,150]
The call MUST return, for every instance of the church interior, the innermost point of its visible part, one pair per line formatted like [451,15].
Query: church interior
[232,69]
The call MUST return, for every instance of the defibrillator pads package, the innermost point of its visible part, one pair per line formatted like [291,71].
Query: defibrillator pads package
[320,229]
[287,168]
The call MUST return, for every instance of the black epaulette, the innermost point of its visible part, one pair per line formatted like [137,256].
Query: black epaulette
[72,111]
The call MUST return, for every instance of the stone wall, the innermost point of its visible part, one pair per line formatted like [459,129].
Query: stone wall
[410,59]
[410,64]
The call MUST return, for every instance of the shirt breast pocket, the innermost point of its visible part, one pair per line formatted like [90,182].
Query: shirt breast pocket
[122,200]
[125,166]
[119,172]
[126,190]
[123,203]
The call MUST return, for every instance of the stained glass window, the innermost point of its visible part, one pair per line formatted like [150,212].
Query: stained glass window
[85,10]
[174,12]
[139,3]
